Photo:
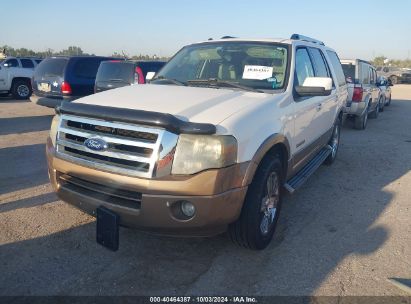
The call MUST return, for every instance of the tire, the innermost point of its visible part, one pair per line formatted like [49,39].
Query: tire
[21,89]
[394,79]
[388,102]
[374,114]
[259,215]
[360,122]
[382,104]
[334,143]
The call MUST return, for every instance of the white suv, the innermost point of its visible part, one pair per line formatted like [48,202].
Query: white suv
[208,145]
[15,76]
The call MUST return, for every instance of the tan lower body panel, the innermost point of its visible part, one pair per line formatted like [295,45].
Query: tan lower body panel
[217,195]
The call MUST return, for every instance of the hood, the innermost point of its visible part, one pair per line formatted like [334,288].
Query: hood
[204,105]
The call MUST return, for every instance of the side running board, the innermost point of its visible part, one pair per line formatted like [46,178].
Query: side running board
[301,177]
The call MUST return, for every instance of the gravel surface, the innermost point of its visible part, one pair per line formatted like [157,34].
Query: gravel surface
[345,232]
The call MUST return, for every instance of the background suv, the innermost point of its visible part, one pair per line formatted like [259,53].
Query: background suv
[64,78]
[364,96]
[396,75]
[115,73]
[15,75]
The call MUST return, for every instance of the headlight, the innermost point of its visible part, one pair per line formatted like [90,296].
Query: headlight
[53,129]
[196,153]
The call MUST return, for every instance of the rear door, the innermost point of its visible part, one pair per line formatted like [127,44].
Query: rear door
[376,92]
[48,76]
[329,104]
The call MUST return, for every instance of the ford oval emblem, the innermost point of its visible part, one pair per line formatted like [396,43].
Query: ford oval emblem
[96,144]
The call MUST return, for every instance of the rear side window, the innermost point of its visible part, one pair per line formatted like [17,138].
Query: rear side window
[27,63]
[38,60]
[53,67]
[86,68]
[335,62]
[349,72]
[319,64]
[303,66]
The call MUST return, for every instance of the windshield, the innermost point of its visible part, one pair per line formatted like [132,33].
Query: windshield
[115,72]
[260,66]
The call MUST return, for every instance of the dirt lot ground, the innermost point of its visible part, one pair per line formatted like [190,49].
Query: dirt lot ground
[344,233]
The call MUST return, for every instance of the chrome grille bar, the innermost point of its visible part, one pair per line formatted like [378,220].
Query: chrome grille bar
[132,154]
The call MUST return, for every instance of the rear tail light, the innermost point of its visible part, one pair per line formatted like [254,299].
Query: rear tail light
[65,88]
[139,76]
[357,95]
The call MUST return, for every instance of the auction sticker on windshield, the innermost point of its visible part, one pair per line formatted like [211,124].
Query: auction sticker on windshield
[257,72]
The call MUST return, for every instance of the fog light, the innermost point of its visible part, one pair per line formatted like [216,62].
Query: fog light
[188,208]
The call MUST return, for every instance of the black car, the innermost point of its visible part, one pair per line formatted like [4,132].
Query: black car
[58,79]
[115,74]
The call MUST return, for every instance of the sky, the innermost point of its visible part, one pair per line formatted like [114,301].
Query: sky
[362,29]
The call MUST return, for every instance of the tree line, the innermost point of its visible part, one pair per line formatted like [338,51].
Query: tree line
[384,61]
[70,51]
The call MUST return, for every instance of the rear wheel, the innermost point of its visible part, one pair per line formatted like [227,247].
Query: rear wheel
[374,114]
[256,225]
[382,104]
[389,101]
[360,122]
[21,89]
[334,143]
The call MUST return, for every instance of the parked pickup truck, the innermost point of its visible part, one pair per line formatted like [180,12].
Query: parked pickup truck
[208,145]
[15,75]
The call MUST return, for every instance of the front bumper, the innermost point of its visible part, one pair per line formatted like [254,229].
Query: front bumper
[218,196]
[50,102]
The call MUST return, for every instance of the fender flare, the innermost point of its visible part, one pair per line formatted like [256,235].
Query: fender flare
[261,152]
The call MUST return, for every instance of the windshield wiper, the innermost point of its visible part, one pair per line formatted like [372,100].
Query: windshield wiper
[172,80]
[213,82]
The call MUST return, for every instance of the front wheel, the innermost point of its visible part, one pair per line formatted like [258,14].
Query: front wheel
[258,219]
[334,143]
[21,89]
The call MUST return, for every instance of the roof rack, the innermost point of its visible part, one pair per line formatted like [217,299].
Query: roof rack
[228,37]
[306,38]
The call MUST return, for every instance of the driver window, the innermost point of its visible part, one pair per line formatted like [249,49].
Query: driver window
[303,66]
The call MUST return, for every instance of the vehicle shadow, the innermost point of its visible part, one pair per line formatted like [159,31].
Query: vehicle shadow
[16,125]
[22,167]
[29,202]
[332,217]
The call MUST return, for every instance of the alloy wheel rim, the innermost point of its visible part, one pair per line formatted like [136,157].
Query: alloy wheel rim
[269,203]
[23,90]
[335,141]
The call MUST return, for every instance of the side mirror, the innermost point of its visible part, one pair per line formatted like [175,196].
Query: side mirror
[315,86]
[150,75]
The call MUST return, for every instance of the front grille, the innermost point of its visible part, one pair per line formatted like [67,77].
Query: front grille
[115,196]
[131,150]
